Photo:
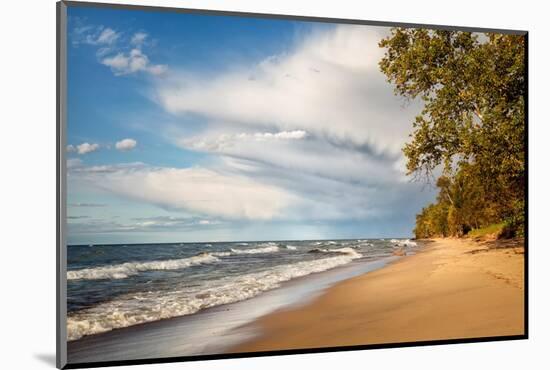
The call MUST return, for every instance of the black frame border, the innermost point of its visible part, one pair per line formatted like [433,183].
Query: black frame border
[61,85]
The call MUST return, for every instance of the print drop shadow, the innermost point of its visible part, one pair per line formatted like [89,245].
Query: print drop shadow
[46,358]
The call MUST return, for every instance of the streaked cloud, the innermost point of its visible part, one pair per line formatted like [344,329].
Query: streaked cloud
[87,205]
[328,84]
[218,142]
[198,190]
[139,225]
[308,137]
[73,163]
[318,121]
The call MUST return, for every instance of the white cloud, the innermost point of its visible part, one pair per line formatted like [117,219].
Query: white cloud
[132,62]
[74,163]
[157,69]
[138,38]
[314,156]
[71,148]
[311,134]
[87,205]
[197,190]
[86,224]
[108,36]
[95,35]
[124,55]
[218,142]
[282,135]
[329,84]
[318,121]
[117,62]
[125,144]
[82,29]
[85,148]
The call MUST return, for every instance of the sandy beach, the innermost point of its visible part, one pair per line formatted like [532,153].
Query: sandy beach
[452,289]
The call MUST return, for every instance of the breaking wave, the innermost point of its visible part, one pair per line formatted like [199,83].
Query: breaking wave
[404,243]
[153,306]
[127,269]
[268,249]
[346,250]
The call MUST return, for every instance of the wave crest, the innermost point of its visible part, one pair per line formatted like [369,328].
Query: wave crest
[154,306]
[268,249]
[404,243]
[346,250]
[127,269]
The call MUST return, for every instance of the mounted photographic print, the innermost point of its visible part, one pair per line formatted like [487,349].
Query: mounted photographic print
[236,185]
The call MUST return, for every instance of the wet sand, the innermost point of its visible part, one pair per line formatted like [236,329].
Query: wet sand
[452,289]
[212,330]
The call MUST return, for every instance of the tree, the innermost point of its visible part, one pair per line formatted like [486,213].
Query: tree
[472,123]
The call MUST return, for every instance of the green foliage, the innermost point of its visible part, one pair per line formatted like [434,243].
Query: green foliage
[494,229]
[472,125]
[460,206]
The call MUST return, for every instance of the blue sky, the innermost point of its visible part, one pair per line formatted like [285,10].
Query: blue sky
[187,127]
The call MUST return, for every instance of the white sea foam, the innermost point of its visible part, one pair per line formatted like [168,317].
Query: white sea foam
[268,244]
[127,269]
[364,243]
[404,243]
[291,247]
[220,254]
[267,249]
[132,309]
[346,250]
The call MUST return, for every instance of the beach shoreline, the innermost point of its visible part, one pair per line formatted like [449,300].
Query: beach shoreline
[214,329]
[451,289]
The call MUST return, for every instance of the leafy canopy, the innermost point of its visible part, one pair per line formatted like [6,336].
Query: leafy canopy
[472,123]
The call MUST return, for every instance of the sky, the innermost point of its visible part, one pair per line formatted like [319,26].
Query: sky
[195,128]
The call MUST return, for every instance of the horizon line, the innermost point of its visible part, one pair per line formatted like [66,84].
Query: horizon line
[240,241]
